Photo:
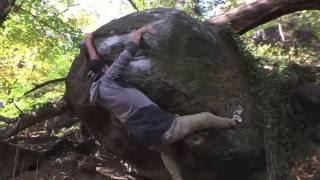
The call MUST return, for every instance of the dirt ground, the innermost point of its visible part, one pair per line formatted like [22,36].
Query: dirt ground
[308,168]
[72,160]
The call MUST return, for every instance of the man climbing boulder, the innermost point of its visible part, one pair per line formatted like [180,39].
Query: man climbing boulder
[147,124]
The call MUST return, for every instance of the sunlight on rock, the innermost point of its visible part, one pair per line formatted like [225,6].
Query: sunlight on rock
[110,43]
[141,64]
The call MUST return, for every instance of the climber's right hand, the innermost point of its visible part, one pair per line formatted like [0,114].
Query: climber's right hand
[95,70]
[137,34]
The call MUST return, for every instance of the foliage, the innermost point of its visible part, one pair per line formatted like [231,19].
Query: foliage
[199,9]
[210,8]
[230,4]
[273,74]
[38,43]
[187,5]
[68,131]
[271,102]
[300,46]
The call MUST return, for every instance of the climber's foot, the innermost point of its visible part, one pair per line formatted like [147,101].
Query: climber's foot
[236,114]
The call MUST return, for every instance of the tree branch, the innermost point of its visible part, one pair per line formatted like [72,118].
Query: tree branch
[258,12]
[38,86]
[17,107]
[133,5]
[41,22]
[7,120]
[67,9]
[47,111]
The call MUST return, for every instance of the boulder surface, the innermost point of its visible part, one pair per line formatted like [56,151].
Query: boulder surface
[187,67]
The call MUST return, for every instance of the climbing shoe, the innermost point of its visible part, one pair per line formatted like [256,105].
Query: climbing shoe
[236,114]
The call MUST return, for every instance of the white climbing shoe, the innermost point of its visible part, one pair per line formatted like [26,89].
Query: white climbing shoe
[236,114]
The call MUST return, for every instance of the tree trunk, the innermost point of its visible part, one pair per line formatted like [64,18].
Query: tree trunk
[249,16]
[5,7]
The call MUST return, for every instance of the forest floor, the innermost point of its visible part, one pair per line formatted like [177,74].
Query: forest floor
[74,160]
[307,167]
[77,160]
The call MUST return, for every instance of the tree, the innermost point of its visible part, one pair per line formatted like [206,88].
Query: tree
[192,7]
[38,44]
[249,16]
[5,8]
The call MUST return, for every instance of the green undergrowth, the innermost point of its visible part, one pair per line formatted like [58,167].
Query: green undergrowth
[38,40]
[268,71]
[68,131]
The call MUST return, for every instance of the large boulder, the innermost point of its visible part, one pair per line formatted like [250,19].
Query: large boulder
[188,67]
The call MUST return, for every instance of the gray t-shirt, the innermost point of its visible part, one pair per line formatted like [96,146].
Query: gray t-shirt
[123,102]
[146,122]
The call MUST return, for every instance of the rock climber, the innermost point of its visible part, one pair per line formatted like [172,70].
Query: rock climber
[145,121]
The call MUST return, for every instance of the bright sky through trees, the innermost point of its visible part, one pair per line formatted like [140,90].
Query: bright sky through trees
[102,11]
[39,43]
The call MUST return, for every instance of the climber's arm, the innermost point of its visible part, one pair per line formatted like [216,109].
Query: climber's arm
[96,67]
[91,50]
[120,64]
